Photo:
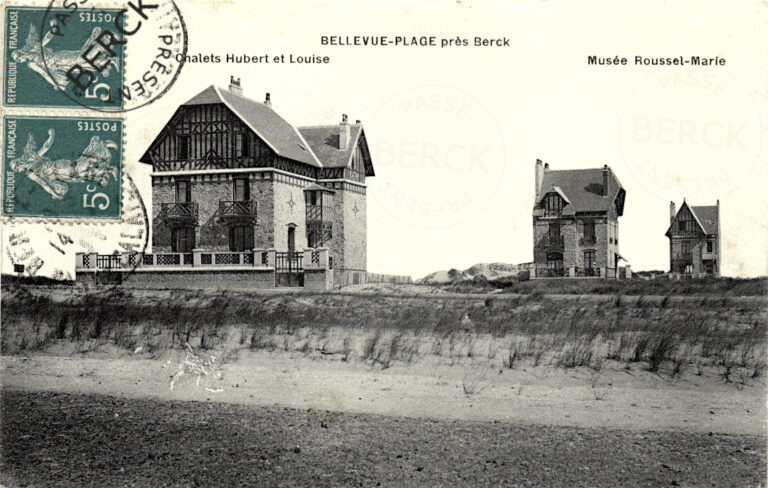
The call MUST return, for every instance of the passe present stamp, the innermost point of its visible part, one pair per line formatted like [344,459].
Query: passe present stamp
[62,167]
[43,45]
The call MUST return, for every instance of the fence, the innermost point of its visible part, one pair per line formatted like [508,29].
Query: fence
[346,278]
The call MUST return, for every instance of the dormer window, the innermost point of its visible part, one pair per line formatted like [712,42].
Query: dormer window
[553,205]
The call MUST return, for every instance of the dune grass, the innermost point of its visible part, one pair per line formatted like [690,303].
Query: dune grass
[666,335]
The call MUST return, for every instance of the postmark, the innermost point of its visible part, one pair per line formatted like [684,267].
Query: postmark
[457,138]
[699,132]
[62,167]
[39,248]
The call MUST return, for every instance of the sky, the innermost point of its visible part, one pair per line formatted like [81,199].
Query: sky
[454,132]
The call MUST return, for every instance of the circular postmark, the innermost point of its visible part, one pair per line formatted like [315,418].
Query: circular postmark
[83,51]
[443,153]
[695,132]
[49,249]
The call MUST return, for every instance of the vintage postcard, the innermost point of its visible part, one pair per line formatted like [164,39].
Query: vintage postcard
[424,243]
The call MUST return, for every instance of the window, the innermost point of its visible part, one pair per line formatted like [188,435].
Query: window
[241,238]
[589,259]
[242,190]
[709,246]
[589,232]
[553,204]
[686,247]
[182,143]
[182,239]
[183,191]
[241,144]
[554,233]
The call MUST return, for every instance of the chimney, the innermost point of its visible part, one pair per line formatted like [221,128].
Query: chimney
[672,212]
[268,101]
[357,122]
[539,177]
[234,86]
[343,133]
[606,172]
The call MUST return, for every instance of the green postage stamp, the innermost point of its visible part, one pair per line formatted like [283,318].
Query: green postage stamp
[49,52]
[59,167]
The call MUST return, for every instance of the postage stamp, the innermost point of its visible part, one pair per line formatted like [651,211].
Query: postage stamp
[43,49]
[74,54]
[62,167]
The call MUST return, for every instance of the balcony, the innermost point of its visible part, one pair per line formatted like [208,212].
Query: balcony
[553,243]
[319,213]
[237,210]
[587,241]
[180,212]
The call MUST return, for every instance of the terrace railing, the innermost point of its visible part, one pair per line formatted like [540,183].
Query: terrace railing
[131,261]
[587,272]
[551,272]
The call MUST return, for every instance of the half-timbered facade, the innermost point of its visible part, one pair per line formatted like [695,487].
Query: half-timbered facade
[575,222]
[694,240]
[230,174]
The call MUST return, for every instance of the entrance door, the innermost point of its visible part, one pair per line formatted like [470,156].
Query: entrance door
[288,265]
[291,240]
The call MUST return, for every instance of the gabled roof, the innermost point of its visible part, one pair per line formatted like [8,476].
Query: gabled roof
[324,141]
[557,190]
[279,135]
[583,189]
[706,217]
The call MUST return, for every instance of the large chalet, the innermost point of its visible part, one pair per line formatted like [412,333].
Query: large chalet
[694,240]
[237,189]
[575,222]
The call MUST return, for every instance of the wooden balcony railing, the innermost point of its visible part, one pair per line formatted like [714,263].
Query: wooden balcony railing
[181,211]
[237,209]
[319,213]
[554,243]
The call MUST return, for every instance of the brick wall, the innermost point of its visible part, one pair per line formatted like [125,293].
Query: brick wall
[349,246]
[355,229]
[187,279]
[207,191]
[289,208]
[572,231]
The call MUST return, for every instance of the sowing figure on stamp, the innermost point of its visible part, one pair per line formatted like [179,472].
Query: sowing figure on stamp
[53,176]
[57,62]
